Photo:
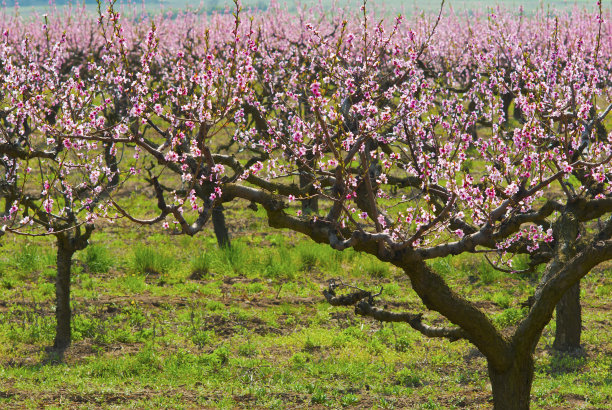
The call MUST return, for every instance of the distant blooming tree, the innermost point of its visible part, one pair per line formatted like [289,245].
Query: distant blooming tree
[52,181]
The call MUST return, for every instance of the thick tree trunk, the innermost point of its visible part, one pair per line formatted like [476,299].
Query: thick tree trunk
[569,321]
[220,227]
[62,296]
[512,387]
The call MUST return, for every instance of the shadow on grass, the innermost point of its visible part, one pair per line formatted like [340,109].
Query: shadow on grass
[51,357]
[561,363]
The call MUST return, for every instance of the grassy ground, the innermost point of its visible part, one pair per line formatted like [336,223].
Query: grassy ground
[173,322]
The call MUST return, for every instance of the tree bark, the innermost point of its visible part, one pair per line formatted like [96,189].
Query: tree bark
[518,113]
[309,205]
[506,101]
[220,227]
[569,318]
[512,386]
[63,314]
[569,321]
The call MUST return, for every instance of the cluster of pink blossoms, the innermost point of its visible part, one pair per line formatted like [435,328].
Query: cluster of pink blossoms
[420,130]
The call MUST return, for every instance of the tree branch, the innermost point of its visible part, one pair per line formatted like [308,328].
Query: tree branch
[363,308]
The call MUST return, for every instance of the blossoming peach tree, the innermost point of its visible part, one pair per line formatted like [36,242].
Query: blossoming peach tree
[51,183]
[400,175]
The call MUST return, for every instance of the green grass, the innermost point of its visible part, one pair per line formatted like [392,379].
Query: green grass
[200,265]
[252,329]
[98,259]
[149,260]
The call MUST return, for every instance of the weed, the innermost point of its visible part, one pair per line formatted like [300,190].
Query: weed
[442,266]
[319,396]
[255,287]
[134,284]
[429,405]
[221,355]
[234,259]
[149,261]
[408,378]
[510,317]
[308,257]
[28,259]
[310,345]
[349,400]
[488,274]
[299,360]
[215,306]
[202,338]
[247,349]
[8,284]
[279,265]
[375,268]
[464,377]
[402,344]
[98,259]
[391,289]
[501,299]
[200,266]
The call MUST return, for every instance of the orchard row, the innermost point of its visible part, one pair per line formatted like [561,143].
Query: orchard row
[409,138]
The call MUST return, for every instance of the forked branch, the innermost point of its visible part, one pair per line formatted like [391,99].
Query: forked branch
[364,306]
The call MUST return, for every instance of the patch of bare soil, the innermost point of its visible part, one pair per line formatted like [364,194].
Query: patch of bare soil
[64,398]
[141,298]
[472,399]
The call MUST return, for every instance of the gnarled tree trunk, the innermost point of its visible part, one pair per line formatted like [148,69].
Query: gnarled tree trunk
[569,321]
[63,313]
[512,386]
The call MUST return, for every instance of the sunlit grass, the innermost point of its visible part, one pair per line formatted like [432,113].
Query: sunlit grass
[254,328]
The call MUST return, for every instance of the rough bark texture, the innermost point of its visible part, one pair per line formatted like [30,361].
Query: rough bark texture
[512,386]
[569,318]
[221,232]
[569,321]
[438,296]
[63,314]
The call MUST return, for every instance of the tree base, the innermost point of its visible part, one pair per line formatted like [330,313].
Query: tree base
[512,387]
